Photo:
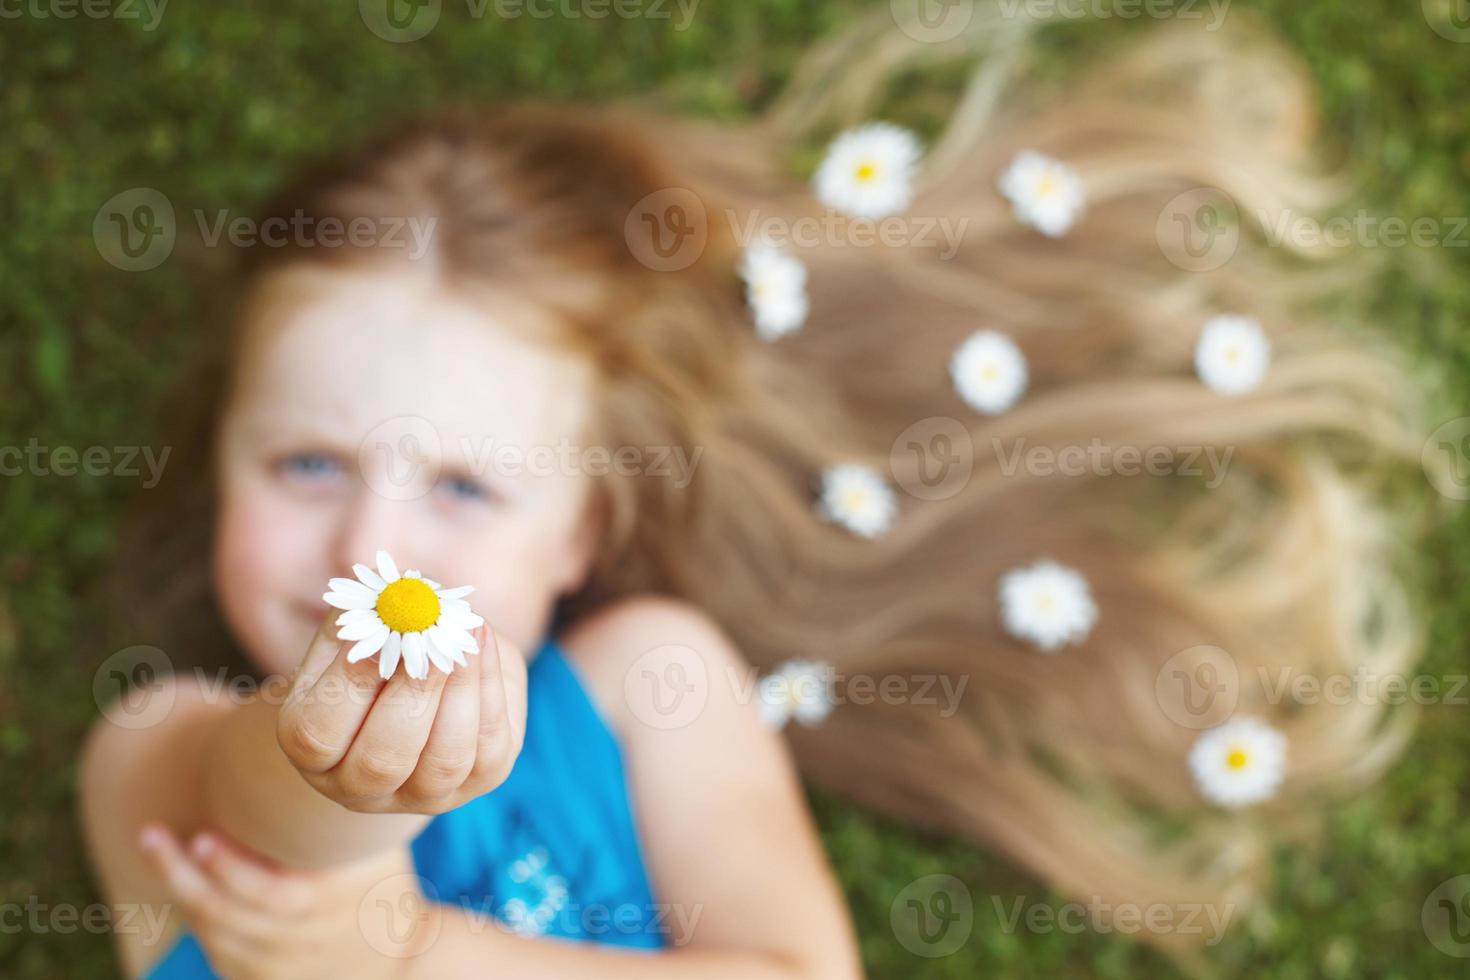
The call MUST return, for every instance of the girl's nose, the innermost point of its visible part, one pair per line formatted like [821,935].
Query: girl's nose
[372,523]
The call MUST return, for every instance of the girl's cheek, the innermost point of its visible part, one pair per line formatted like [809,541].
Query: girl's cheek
[265,548]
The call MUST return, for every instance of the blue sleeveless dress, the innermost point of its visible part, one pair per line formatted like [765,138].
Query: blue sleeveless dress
[552,851]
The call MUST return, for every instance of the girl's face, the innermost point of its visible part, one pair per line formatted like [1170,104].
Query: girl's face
[375,410]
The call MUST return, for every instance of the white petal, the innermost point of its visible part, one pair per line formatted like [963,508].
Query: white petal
[386,568]
[455,593]
[362,629]
[388,659]
[356,616]
[367,647]
[343,601]
[352,587]
[437,656]
[415,661]
[460,619]
[369,577]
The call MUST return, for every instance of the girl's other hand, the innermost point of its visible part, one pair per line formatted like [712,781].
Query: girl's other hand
[254,918]
[404,745]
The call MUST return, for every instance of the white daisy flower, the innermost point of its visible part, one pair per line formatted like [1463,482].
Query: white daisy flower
[857,498]
[1233,354]
[405,616]
[869,171]
[989,372]
[775,289]
[799,689]
[1047,604]
[1239,763]
[1044,193]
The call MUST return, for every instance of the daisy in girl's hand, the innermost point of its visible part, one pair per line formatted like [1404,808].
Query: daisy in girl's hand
[1239,763]
[989,372]
[799,689]
[405,616]
[1047,604]
[775,289]
[857,498]
[1233,354]
[869,171]
[1045,193]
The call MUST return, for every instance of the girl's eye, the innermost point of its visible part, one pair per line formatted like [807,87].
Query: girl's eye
[309,466]
[463,488]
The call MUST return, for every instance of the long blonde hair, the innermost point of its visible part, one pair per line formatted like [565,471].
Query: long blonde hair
[1075,764]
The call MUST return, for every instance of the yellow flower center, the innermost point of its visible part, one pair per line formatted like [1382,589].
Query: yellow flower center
[866,171]
[1232,354]
[1237,759]
[1047,186]
[854,498]
[408,606]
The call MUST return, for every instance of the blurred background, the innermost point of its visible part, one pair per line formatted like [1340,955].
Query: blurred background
[212,105]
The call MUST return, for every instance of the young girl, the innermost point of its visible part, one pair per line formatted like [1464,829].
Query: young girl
[600,769]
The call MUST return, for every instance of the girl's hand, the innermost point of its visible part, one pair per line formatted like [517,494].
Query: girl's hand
[404,745]
[256,919]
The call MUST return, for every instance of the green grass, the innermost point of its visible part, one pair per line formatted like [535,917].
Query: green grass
[217,103]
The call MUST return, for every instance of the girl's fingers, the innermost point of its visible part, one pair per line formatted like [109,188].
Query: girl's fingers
[209,908]
[188,883]
[502,709]
[327,705]
[247,877]
[449,752]
[387,747]
[323,648]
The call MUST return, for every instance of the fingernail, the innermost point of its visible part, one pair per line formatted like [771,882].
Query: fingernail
[202,845]
[151,838]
